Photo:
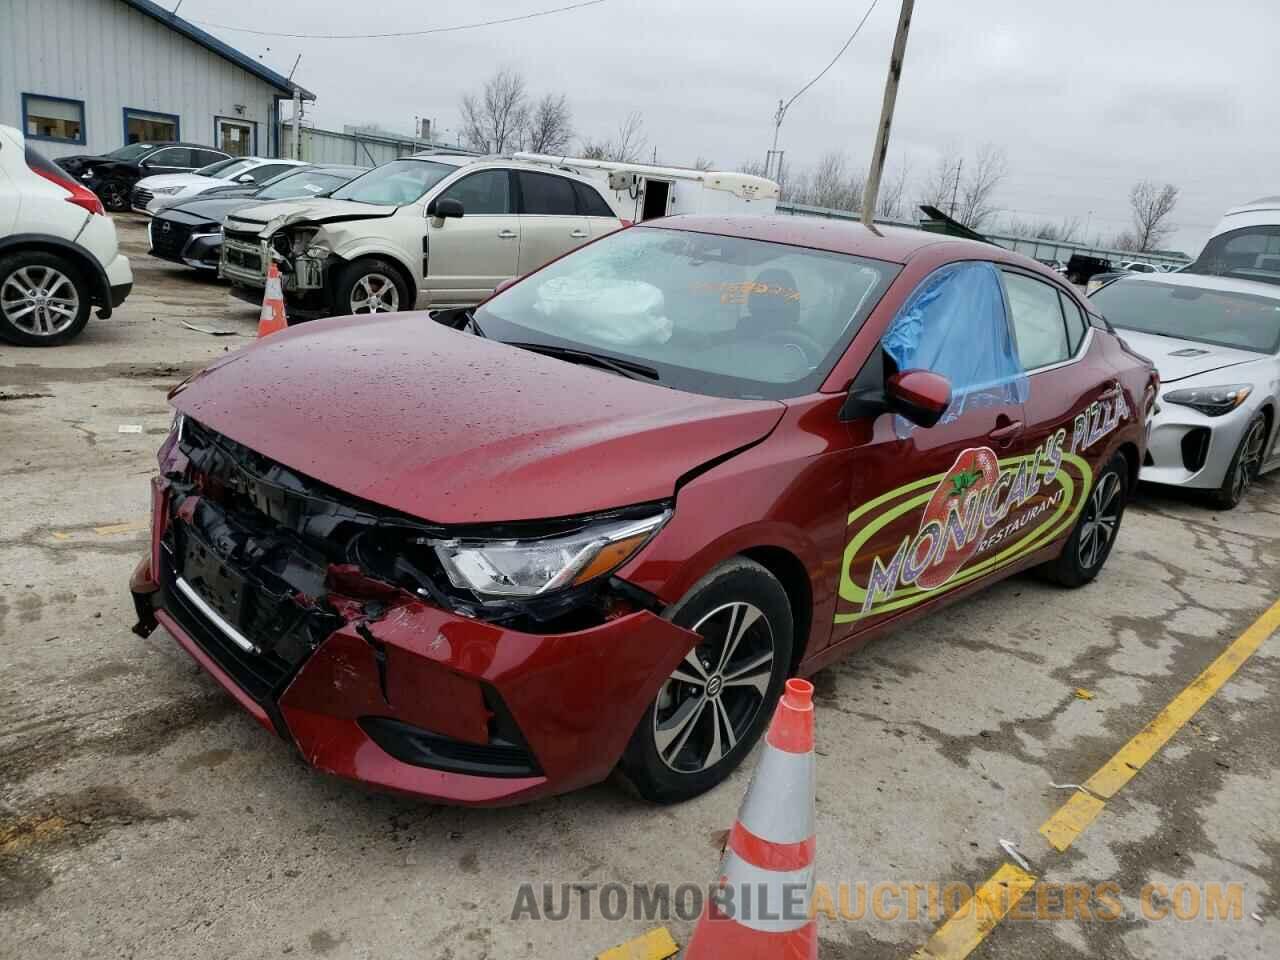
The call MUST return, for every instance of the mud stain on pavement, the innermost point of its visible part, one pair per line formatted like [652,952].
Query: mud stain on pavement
[58,822]
[143,732]
[322,942]
[205,760]
[107,671]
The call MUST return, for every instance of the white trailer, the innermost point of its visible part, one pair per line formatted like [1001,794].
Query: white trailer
[638,191]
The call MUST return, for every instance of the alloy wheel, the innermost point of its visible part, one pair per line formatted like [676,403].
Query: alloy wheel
[1101,517]
[39,300]
[1250,460]
[375,293]
[711,700]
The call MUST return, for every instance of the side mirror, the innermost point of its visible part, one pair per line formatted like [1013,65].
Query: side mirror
[918,395]
[445,208]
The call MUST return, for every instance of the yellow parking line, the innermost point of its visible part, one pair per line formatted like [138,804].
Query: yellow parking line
[1077,813]
[654,945]
[977,917]
[970,925]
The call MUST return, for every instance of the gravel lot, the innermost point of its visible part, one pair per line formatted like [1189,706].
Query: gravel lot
[143,815]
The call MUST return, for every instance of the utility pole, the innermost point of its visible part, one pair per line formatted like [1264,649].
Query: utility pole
[955,187]
[872,191]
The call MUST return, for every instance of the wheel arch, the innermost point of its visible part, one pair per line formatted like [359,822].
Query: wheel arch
[99,285]
[389,257]
[791,573]
[1129,450]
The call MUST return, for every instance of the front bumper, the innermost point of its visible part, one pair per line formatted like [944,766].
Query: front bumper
[416,699]
[1189,449]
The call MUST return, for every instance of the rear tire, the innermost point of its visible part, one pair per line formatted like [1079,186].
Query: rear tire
[1244,465]
[1096,529]
[708,715]
[370,285]
[44,299]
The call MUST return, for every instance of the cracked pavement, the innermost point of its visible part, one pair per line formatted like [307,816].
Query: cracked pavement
[142,814]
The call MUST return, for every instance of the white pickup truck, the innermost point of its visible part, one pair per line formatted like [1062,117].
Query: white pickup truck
[419,232]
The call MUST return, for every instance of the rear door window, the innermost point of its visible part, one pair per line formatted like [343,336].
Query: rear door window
[543,194]
[1038,324]
[590,203]
[1076,322]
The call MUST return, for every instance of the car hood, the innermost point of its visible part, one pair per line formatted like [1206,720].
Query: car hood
[82,162]
[175,180]
[1177,359]
[452,428]
[203,209]
[271,216]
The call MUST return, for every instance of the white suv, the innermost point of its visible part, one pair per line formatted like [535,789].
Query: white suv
[58,251]
[429,230]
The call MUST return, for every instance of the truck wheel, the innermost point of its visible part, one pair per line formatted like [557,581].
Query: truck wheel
[716,704]
[44,299]
[370,286]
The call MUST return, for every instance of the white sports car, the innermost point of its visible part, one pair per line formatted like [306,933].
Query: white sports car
[1216,343]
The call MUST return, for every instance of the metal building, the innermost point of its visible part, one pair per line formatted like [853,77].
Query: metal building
[88,76]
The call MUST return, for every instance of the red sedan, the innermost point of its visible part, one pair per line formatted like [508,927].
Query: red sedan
[595,524]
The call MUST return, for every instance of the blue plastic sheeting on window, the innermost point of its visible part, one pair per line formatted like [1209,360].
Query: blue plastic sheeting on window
[954,325]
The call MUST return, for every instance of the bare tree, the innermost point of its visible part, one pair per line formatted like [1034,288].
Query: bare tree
[975,206]
[626,147]
[1151,207]
[550,126]
[942,185]
[830,183]
[1066,230]
[495,120]
[893,190]
[702,163]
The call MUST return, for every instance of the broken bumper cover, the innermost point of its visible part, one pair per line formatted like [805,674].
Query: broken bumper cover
[428,702]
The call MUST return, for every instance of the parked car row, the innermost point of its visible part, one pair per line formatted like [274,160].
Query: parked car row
[113,175]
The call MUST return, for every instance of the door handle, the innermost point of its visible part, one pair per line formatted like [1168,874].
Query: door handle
[507,234]
[1005,433]
[578,234]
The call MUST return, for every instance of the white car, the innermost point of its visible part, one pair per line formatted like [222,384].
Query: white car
[430,230]
[1139,266]
[151,194]
[1216,344]
[58,252]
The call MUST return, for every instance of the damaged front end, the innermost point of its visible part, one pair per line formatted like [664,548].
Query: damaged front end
[299,251]
[338,624]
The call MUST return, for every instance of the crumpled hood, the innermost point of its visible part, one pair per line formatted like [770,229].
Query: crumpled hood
[452,428]
[274,215]
[1178,359]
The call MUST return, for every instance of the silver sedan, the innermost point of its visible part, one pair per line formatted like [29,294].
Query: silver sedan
[1216,343]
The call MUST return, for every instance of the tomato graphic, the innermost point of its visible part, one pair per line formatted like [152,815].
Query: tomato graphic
[974,471]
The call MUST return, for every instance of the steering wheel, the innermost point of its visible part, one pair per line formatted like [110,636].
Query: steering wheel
[812,351]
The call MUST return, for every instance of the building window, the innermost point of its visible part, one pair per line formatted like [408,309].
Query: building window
[52,118]
[146,126]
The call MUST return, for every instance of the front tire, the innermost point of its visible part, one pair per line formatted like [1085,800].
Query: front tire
[713,708]
[114,195]
[1244,465]
[1090,543]
[44,299]
[370,285]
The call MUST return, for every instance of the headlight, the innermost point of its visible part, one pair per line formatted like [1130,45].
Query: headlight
[317,252]
[165,191]
[1211,401]
[300,240]
[524,568]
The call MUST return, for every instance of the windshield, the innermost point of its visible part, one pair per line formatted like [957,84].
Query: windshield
[711,314]
[395,183]
[305,184]
[215,169]
[1219,317]
[132,152]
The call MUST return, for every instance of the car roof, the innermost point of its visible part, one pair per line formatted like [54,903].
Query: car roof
[891,244]
[1206,281]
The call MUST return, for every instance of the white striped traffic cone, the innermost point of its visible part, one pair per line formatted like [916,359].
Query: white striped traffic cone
[761,910]
[272,318]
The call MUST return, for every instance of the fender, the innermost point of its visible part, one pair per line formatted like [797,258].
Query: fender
[365,248]
[99,286]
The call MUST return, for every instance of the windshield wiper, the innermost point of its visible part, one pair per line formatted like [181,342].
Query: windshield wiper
[628,368]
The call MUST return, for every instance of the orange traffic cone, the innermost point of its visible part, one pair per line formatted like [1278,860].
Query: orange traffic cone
[761,909]
[272,318]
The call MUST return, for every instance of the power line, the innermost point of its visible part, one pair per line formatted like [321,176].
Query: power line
[407,33]
[838,55]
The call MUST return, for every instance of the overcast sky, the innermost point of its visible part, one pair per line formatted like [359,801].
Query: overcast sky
[1084,96]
